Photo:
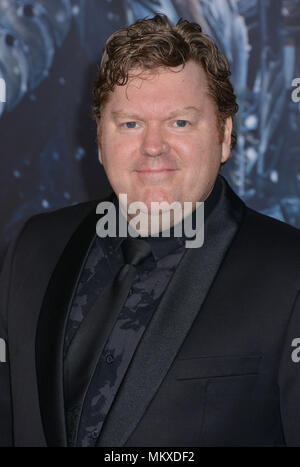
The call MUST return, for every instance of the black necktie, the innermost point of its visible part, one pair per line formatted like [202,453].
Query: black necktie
[87,345]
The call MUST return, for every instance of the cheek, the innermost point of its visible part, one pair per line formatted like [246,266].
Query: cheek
[200,156]
[118,151]
[192,151]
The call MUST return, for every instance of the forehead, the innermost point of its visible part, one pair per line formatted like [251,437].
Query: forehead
[161,89]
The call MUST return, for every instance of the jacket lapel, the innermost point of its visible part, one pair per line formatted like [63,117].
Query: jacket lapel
[51,329]
[163,337]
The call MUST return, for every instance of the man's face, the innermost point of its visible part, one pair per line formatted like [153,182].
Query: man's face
[158,137]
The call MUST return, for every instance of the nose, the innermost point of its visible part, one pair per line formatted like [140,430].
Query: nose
[153,142]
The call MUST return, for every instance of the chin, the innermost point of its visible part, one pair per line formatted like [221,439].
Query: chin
[157,195]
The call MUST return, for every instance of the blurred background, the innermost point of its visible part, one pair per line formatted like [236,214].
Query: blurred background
[49,50]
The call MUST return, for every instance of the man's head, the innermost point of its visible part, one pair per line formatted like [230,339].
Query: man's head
[163,100]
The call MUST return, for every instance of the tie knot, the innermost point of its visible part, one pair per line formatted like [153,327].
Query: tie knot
[135,250]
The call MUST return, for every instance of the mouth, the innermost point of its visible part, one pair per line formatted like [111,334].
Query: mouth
[155,170]
[156,175]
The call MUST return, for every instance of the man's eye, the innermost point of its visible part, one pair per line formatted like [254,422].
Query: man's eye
[181,123]
[130,124]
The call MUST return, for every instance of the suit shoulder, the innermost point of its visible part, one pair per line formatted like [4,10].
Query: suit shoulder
[65,216]
[265,225]
[267,251]
[62,214]
[269,236]
[62,222]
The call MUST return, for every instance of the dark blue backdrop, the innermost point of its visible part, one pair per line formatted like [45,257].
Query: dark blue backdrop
[48,55]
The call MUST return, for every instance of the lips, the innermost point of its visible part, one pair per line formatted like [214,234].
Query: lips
[156,175]
[155,170]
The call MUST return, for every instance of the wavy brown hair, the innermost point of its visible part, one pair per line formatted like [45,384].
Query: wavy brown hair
[152,43]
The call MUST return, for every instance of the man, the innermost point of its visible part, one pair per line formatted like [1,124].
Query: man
[200,346]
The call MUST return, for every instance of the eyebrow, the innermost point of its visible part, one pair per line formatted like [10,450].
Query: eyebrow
[121,113]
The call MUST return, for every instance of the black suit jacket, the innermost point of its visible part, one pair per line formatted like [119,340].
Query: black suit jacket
[217,364]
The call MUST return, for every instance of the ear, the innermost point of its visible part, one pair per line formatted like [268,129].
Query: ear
[99,154]
[226,140]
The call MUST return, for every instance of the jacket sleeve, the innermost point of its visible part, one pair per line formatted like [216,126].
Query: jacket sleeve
[6,435]
[6,405]
[289,378]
